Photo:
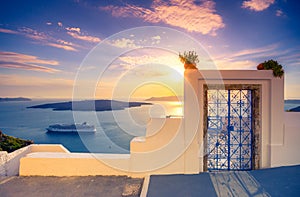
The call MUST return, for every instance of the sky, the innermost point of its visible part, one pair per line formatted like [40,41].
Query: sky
[116,48]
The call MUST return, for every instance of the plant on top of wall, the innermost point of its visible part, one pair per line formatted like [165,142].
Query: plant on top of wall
[189,59]
[272,65]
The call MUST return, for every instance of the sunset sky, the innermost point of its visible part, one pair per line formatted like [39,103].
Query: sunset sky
[43,43]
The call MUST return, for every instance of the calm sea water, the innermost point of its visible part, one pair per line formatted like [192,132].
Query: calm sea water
[290,104]
[114,129]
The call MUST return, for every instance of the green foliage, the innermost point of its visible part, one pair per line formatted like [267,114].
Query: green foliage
[10,144]
[275,66]
[189,57]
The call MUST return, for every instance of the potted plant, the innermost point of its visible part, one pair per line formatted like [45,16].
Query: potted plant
[272,65]
[189,59]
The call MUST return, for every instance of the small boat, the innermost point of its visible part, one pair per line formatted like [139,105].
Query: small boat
[69,128]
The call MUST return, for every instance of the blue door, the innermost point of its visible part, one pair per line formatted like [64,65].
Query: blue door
[229,130]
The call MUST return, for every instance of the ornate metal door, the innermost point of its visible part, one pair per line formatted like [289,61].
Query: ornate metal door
[229,130]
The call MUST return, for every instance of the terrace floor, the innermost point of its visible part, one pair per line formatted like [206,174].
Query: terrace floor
[282,181]
[36,186]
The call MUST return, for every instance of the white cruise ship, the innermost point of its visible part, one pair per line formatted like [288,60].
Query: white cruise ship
[68,128]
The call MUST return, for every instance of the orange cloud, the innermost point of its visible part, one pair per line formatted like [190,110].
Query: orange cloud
[14,60]
[61,46]
[257,5]
[185,14]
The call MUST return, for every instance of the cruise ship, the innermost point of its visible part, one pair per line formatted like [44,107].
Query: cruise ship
[68,128]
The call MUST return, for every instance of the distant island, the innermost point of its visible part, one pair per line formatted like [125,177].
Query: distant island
[90,105]
[164,98]
[292,101]
[14,99]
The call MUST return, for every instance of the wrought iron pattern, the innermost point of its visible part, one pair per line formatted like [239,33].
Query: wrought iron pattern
[229,130]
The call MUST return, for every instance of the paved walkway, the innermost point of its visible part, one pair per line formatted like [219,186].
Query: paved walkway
[110,186]
[283,181]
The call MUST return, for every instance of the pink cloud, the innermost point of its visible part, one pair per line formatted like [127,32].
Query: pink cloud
[47,40]
[33,34]
[257,5]
[14,60]
[83,37]
[185,14]
[8,31]
[24,66]
[279,13]
[23,80]
[19,57]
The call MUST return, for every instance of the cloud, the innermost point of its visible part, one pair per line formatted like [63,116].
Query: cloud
[8,31]
[76,33]
[60,24]
[19,57]
[33,34]
[279,13]
[83,37]
[257,5]
[76,29]
[46,39]
[172,61]
[234,64]
[25,66]
[200,17]
[62,46]
[21,80]
[255,51]
[123,43]
[155,39]
[249,58]
[14,60]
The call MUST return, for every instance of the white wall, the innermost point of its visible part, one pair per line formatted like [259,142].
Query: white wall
[10,162]
[288,152]
[272,106]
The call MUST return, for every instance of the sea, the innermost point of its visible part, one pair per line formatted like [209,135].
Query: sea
[115,129]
